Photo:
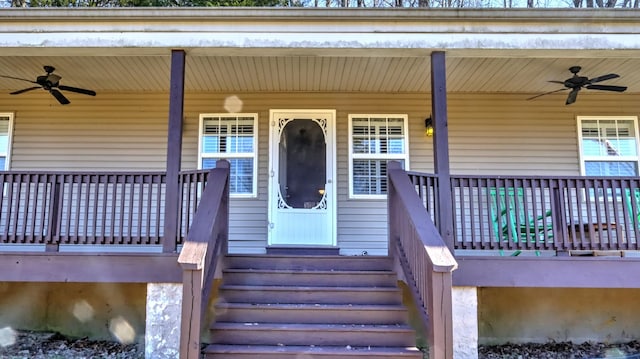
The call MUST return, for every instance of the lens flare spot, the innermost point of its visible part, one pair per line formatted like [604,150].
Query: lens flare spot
[7,336]
[122,330]
[83,311]
[233,104]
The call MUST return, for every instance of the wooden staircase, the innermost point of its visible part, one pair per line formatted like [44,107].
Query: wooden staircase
[303,307]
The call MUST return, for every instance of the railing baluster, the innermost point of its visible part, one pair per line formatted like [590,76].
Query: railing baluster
[553,213]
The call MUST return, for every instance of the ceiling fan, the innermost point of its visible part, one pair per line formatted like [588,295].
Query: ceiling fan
[51,83]
[576,83]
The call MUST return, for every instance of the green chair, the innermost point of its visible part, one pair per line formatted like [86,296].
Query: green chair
[512,218]
[634,216]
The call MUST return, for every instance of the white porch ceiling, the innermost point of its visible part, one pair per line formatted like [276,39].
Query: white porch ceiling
[256,73]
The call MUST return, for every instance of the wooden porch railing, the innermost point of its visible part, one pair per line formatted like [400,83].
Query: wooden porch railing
[92,208]
[201,254]
[426,262]
[561,214]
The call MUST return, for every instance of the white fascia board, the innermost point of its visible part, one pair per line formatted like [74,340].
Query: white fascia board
[321,40]
[146,29]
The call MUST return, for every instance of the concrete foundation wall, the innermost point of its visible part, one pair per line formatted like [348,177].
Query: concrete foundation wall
[105,311]
[519,315]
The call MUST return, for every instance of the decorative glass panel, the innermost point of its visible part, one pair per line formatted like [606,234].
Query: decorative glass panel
[302,162]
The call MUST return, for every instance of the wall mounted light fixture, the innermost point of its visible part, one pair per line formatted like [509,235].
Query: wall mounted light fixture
[428,125]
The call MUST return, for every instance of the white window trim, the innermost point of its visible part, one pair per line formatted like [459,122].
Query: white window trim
[584,158]
[352,156]
[7,154]
[253,155]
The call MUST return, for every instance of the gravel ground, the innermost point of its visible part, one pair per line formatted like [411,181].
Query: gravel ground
[562,350]
[41,345]
[45,345]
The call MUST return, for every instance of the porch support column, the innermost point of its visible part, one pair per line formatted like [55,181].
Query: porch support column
[163,318]
[441,146]
[465,322]
[174,151]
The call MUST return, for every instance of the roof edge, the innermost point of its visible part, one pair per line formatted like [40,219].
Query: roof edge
[280,14]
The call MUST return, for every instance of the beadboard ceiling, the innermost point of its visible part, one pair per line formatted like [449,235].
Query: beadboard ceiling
[317,73]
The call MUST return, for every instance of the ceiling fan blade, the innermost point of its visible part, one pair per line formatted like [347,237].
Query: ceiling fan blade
[607,88]
[573,95]
[603,78]
[17,78]
[78,90]
[546,93]
[556,82]
[60,97]
[24,90]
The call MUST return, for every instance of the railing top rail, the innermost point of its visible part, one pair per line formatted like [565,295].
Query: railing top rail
[438,252]
[416,173]
[125,173]
[538,177]
[184,172]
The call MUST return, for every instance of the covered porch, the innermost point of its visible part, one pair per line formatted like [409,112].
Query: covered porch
[112,184]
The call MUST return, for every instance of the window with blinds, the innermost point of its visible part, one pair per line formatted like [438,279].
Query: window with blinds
[608,146]
[6,125]
[374,140]
[231,137]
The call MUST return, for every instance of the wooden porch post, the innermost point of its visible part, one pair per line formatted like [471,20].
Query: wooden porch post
[441,146]
[174,151]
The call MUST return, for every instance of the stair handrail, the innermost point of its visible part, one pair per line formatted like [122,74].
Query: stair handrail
[201,254]
[424,258]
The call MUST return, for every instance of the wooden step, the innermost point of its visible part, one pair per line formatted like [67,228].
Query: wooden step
[310,295]
[307,352]
[314,262]
[311,313]
[312,334]
[303,307]
[351,278]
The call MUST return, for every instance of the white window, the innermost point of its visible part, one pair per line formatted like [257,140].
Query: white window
[231,136]
[373,141]
[608,145]
[6,129]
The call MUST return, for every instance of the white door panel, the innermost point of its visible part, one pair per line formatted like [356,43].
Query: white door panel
[302,203]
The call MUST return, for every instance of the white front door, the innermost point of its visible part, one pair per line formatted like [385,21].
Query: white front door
[302,188]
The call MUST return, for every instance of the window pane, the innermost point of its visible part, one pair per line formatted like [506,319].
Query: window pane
[231,134]
[378,135]
[211,144]
[609,138]
[228,135]
[241,180]
[209,163]
[617,168]
[370,177]
[241,173]
[3,163]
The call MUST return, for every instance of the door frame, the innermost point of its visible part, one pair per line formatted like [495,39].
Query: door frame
[330,114]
